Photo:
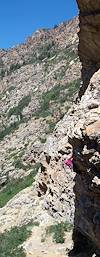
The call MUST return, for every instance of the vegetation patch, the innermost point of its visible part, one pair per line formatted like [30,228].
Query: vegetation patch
[73,87]
[11,128]
[1,63]
[11,88]
[47,50]
[19,164]
[51,127]
[11,241]
[58,94]
[69,54]
[47,97]
[17,110]
[13,68]
[2,73]
[15,186]
[69,91]
[42,139]
[58,231]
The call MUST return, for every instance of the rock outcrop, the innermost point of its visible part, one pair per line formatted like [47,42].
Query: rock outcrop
[54,180]
[89,40]
[85,137]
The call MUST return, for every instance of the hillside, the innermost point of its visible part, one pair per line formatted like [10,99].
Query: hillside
[39,81]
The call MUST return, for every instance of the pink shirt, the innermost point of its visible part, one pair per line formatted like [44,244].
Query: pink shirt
[69,163]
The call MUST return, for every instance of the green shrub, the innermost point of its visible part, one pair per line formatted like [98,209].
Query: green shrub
[15,186]
[19,164]
[10,241]
[51,127]
[42,139]
[51,95]
[32,59]
[46,51]
[17,110]
[8,130]
[58,231]
[14,67]
[72,55]
[57,94]
[1,63]
[67,54]
[61,72]
[2,73]
[15,155]
[11,128]
[11,89]
[73,87]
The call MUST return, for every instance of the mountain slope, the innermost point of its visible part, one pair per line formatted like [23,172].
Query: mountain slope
[39,81]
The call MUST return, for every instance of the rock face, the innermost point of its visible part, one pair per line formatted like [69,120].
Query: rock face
[54,181]
[89,38]
[85,136]
[85,139]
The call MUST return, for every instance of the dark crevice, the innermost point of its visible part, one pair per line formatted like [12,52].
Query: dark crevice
[91,13]
[43,187]
[48,158]
[86,77]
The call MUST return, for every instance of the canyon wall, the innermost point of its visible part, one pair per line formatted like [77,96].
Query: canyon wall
[85,137]
[89,39]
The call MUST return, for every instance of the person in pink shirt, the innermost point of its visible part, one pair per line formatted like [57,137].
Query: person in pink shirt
[69,162]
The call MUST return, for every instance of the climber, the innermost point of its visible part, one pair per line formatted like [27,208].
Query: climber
[69,162]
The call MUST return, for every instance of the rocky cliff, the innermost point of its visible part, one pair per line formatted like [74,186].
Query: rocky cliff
[89,40]
[85,137]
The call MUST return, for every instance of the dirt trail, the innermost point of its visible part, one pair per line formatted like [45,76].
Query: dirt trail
[35,248]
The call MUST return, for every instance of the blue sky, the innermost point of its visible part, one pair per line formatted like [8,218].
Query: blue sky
[20,18]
